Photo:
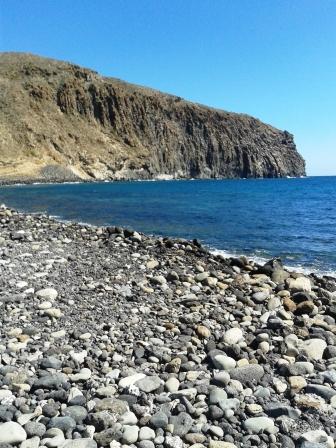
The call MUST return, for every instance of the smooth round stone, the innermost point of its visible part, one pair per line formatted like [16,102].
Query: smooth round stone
[203,332]
[5,393]
[233,336]
[44,305]
[231,404]
[259,424]
[12,433]
[130,434]
[221,444]
[297,383]
[159,420]
[260,296]
[223,362]
[264,346]
[51,363]
[172,385]
[47,294]
[53,312]
[146,433]
[78,413]
[222,378]
[83,375]
[216,395]
[129,418]
[85,336]
[62,423]
[247,373]
[254,408]
[35,429]
[216,431]
[146,444]
[78,356]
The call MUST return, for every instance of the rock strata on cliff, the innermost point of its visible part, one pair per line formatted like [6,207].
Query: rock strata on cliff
[60,121]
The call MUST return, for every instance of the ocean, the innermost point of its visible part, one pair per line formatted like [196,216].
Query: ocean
[294,219]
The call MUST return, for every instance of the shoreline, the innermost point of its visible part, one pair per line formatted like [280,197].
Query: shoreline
[116,338]
[55,181]
[224,252]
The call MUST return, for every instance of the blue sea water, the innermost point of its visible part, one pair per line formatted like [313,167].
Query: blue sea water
[294,219]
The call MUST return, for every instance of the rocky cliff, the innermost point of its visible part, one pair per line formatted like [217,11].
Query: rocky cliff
[58,120]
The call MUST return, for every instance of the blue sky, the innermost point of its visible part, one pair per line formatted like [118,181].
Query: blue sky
[274,59]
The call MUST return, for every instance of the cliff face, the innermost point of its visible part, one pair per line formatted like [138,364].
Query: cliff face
[61,120]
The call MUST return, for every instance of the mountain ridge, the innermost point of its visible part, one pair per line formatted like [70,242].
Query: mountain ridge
[62,121]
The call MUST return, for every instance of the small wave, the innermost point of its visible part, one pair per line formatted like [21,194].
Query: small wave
[262,260]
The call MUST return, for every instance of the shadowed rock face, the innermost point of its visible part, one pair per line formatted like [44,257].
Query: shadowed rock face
[58,120]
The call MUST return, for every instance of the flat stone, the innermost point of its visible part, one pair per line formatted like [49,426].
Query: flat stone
[53,381]
[53,312]
[297,383]
[229,404]
[149,384]
[259,424]
[51,363]
[12,433]
[298,368]
[278,409]
[260,296]
[47,294]
[314,348]
[130,380]
[34,442]
[80,443]
[249,373]
[221,444]
[106,391]
[62,423]
[115,406]
[223,362]
[319,438]
[299,284]
[322,391]
[83,375]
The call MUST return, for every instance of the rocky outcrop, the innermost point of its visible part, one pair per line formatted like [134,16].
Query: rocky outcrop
[63,121]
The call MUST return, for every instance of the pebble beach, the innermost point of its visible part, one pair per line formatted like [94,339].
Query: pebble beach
[113,338]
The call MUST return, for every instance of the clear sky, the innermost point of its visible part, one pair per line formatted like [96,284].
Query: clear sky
[274,59]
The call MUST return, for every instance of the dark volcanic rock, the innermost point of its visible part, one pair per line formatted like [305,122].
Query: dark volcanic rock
[110,129]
